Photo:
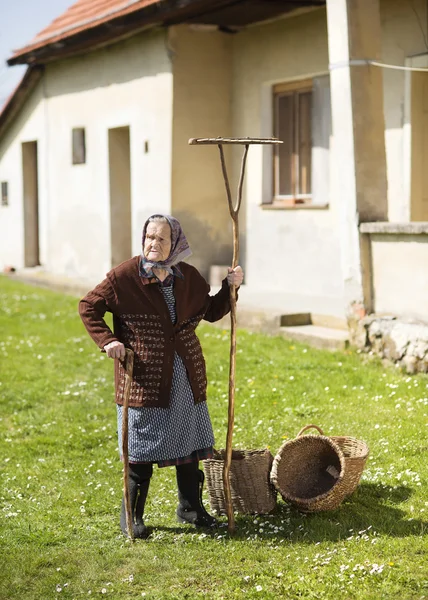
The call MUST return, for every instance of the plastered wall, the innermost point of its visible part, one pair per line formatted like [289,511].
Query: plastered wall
[202,63]
[129,84]
[29,126]
[400,275]
[293,250]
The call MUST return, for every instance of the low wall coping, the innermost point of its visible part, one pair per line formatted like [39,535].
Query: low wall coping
[384,227]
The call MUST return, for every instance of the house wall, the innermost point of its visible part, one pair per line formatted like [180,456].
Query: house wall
[202,108]
[398,261]
[170,86]
[296,250]
[29,126]
[401,38]
[303,245]
[400,274]
[128,84]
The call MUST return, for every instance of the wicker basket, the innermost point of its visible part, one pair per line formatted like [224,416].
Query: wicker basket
[355,453]
[308,472]
[251,490]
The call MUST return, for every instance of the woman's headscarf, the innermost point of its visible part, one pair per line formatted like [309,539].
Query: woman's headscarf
[179,248]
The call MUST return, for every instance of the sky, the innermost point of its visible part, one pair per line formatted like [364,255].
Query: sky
[20,21]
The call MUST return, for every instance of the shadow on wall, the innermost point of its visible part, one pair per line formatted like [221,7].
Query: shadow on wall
[204,242]
[116,64]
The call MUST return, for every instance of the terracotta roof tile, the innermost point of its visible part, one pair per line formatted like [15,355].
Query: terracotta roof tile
[83,14]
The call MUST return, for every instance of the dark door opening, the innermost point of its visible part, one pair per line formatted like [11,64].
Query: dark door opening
[120,195]
[31,204]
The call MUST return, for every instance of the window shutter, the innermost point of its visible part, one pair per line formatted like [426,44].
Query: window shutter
[304,149]
[285,131]
[321,132]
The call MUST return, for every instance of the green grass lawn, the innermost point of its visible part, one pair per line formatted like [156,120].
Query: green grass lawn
[60,474]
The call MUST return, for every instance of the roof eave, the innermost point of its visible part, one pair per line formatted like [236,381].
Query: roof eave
[109,32]
[73,47]
[102,33]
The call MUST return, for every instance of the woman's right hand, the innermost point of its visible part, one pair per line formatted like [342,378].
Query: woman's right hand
[115,350]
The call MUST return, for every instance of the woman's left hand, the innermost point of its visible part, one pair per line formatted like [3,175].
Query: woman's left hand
[235,276]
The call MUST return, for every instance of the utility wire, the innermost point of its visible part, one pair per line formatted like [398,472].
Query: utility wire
[375,63]
[359,62]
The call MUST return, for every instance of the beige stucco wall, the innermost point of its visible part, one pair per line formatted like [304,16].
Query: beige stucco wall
[400,274]
[293,250]
[29,126]
[129,84]
[167,87]
[401,38]
[202,108]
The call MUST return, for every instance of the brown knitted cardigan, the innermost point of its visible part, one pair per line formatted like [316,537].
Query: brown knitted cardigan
[141,321]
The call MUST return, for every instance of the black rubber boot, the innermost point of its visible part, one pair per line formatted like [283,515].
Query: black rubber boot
[190,481]
[139,482]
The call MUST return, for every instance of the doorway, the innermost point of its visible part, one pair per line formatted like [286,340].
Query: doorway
[120,194]
[31,204]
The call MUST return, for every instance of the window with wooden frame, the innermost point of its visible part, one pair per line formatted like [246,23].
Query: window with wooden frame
[292,164]
[4,193]
[79,146]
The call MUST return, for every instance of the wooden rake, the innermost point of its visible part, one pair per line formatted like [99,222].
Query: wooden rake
[128,365]
[234,213]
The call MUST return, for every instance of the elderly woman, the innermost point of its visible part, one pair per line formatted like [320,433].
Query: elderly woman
[157,301]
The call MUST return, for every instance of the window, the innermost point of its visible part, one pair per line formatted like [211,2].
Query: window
[293,158]
[79,146]
[4,194]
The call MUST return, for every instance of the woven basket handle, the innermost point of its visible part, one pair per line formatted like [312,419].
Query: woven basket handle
[310,427]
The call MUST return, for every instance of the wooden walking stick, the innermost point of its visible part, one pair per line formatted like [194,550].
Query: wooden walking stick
[129,366]
[234,212]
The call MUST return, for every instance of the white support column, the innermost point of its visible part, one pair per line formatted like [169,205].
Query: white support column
[354,34]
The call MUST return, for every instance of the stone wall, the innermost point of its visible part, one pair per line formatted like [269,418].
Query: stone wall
[401,342]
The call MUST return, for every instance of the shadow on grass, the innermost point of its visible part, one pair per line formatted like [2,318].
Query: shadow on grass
[372,510]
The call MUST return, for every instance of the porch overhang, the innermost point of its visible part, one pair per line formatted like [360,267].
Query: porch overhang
[80,36]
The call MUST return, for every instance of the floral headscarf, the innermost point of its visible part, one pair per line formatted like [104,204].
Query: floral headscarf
[179,248]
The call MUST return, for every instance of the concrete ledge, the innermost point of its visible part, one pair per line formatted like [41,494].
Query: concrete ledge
[253,320]
[259,311]
[319,337]
[395,228]
[57,283]
[301,319]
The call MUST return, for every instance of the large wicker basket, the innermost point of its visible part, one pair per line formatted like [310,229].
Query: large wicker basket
[308,472]
[251,489]
[355,453]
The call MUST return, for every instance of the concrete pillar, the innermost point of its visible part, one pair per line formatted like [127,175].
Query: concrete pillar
[354,34]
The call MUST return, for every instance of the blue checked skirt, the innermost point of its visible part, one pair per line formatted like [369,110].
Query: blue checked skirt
[169,436]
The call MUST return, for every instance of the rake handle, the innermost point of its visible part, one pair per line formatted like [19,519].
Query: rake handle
[234,212]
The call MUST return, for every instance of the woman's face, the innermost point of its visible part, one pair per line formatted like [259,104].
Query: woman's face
[157,244]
